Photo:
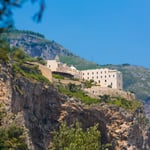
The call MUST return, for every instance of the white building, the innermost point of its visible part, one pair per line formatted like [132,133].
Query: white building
[52,65]
[104,77]
[56,66]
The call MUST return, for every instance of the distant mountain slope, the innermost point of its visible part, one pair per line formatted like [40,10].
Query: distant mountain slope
[135,78]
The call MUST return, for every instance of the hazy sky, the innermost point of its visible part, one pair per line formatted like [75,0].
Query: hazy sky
[103,31]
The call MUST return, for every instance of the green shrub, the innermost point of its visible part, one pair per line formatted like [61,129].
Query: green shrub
[19,55]
[73,88]
[14,131]
[12,138]
[88,84]
[131,105]
[3,55]
[57,76]
[4,51]
[77,94]
[40,60]
[2,113]
[105,98]
[74,138]
[30,72]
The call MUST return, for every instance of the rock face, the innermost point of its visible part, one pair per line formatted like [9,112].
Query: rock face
[44,108]
[41,109]
[39,46]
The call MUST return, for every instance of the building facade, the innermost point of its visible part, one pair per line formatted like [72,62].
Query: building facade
[56,66]
[104,77]
[52,65]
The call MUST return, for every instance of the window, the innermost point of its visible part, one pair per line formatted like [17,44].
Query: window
[83,73]
[113,75]
[109,76]
[92,72]
[105,76]
[97,77]
[88,73]
[97,72]
[99,81]
[101,76]
[105,80]
[49,66]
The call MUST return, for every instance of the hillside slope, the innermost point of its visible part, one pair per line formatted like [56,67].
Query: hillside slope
[135,78]
[40,109]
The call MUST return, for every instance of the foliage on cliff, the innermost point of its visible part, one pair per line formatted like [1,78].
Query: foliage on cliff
[4,51]
[124,103]
[12,136]
[19,61]
[74,138]
[73,90]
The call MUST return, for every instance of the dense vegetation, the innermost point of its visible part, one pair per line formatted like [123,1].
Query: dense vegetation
[73,90]
[74,138]
[26,69]
[19,61]
[4,51]
[11,137]
[124,103]
[57,76]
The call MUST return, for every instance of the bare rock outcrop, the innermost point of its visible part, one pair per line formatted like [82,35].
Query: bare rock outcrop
[44,109]
[41,109]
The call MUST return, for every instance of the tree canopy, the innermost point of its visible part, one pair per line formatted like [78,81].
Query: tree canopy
[6,11]
[74,138]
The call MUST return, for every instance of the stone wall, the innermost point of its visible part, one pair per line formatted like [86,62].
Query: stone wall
[96,91]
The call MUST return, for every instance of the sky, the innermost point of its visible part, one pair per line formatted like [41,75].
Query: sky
[102,31]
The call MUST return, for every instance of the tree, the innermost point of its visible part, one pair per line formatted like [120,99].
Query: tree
[73,88]
[74,138]
[104,98]
[12,138]
[6,12]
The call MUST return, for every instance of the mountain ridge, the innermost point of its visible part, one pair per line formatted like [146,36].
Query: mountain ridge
[135,78]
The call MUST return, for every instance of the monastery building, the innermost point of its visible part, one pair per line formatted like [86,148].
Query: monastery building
[104,77]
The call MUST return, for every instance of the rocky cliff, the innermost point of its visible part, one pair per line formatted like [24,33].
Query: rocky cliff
[40,109]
